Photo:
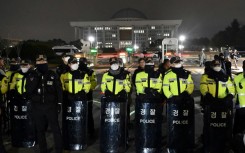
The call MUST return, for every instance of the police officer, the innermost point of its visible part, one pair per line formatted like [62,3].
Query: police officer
[239,122]
[148,81]
[115,85]
[217,89]
[71,79]
[177,81]
[4,88]
[216,77]
[44,88]
[76,84]
[115,82]
[63,68]
[18,81]
[140,68]
[148,107]
[83,66]
[177,87]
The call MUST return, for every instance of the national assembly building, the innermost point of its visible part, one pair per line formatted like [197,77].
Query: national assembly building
[126,28]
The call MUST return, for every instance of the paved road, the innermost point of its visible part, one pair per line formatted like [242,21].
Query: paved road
[94,143]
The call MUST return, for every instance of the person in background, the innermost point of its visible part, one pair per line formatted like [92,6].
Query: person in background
[225,64]
[140,68]
[234,58]
[164,67]
[63,68]
[202,58]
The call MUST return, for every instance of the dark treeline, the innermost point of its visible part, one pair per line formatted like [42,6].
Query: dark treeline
[231,36]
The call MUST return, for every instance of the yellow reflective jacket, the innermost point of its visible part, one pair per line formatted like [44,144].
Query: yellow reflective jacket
[239,81]
[4,85]
[142,79]
[18,83]
[115,84]
[220,90]
[174,86]
[75,81]
[93,80]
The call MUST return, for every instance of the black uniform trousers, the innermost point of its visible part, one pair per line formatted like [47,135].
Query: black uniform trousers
[239,121]
[43,113]
[2,149]
[90,113]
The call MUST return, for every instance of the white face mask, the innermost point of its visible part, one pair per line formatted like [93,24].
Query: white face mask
[217,68]
[74,67]
[24,69]
[179,65]
[114,67]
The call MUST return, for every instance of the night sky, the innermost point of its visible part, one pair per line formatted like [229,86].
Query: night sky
[48,19]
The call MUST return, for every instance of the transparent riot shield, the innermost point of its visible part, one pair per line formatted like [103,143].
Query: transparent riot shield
[148,124]
[181,126]
[113,127]
[75,124]
[217,129]
[22,126]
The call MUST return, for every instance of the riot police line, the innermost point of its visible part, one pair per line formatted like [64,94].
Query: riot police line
[152,90]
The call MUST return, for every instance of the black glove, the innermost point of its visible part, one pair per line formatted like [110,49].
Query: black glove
[11,94]
[108,93]
[24,95]
[80,95]
[148,90]
[184,94]
[208,96]
[229,97]
[59,107]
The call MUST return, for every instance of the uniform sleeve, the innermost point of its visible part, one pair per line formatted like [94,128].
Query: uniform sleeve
[203,85]
[4,85]
[13,83]
[127,84]
[237,79]
[190,85]
[230,87]
[58,89]
[133,78]
[93,81]
[62,81]
[165,87]
[103,83]
[86,83]
[139,87]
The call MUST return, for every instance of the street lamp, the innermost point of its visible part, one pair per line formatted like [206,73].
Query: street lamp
[181,39]
[91,39]
[136,47]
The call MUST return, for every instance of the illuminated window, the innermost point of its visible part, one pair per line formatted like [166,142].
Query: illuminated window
[113,35]
[107,28]
[153,27]
[125,28]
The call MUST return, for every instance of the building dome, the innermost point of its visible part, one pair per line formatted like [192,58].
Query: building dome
[128,14]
